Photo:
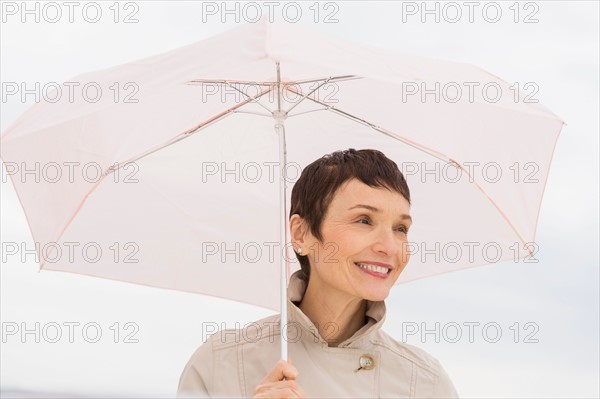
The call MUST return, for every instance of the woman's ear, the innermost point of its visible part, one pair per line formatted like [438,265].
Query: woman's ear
[297,230]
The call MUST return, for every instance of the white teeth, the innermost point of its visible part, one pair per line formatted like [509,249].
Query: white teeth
[379,269]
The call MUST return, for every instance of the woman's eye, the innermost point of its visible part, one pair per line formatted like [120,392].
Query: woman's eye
[365,219]
[402,229]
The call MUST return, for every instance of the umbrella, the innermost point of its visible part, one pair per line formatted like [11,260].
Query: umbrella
[175,171]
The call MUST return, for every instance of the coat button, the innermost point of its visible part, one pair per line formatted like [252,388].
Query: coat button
[367,362]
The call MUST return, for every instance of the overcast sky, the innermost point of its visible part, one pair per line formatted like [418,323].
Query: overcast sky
[558,296]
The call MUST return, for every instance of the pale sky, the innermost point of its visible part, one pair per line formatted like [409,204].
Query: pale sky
[558,296]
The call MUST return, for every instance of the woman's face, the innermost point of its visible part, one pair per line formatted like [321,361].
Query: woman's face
[363,226]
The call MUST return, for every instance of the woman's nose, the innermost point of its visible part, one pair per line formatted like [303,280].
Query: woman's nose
[387,242]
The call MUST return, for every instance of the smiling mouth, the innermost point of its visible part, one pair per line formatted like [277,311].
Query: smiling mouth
[377,270]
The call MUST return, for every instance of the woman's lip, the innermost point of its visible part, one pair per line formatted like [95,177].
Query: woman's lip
[382,276]
[375,264]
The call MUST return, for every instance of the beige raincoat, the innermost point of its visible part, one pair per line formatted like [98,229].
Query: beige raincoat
[231,363]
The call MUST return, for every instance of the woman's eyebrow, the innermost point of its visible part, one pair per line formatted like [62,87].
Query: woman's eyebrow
[373,209]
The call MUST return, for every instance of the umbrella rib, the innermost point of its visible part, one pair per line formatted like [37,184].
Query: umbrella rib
[271,83]
[229,83]
[258,102]
[179,137]
[194,129]
[277,84]
[112,168]
[306,95]
[417,146]
[324,82]
[252,112]
[411,143]
[306,112]
[223,81]
[433,153]
[331,78]
[497,208]
[429,151]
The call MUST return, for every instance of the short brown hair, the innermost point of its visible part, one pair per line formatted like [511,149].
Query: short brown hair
[319,181]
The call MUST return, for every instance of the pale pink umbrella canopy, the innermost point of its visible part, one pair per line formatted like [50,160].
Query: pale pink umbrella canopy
[178,213]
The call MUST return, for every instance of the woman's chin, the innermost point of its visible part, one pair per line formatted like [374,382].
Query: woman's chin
[373,289]
[376,295]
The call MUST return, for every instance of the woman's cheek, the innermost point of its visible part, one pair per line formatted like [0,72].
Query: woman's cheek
[405,254]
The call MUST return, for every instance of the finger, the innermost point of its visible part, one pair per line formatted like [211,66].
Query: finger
[276,373]
[290,371]
[280,393]
[290,363]
[281,370]
[276,394]
[277,385]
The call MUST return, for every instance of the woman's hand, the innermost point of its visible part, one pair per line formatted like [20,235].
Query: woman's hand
[274,385]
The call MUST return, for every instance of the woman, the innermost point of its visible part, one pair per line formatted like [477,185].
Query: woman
[349,222]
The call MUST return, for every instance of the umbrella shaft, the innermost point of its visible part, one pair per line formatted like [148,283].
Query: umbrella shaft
[280,130]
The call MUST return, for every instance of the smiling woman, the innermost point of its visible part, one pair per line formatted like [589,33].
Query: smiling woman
[349,221]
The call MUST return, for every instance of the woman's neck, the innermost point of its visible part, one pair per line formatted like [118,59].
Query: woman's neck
[336,316]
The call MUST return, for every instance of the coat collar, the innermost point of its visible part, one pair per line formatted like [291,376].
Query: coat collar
[375,314]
